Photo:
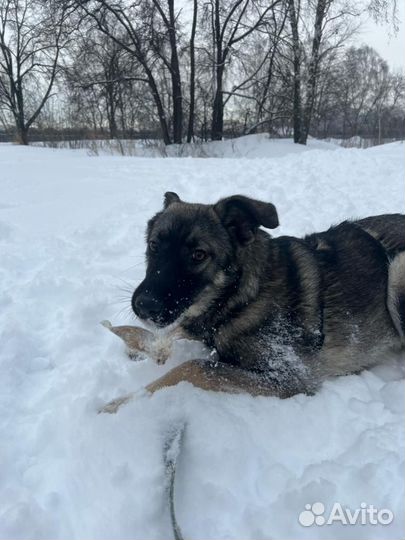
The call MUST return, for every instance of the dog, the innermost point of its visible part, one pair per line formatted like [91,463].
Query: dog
[282,314]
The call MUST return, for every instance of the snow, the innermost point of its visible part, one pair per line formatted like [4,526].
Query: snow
[71,244]
[249,146]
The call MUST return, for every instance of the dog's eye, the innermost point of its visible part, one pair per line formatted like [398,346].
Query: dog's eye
[199,255]
[153,246]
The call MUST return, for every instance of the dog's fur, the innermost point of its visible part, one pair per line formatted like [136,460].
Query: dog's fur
[281,313]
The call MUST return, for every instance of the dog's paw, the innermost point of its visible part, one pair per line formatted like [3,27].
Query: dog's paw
[136,356]
[113,406]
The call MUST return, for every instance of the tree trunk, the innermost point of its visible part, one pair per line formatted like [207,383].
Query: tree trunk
[313,70]
[297,108]
[190,127]
[217,125]
[159,106]
[22,134]
[112,127]
[266,89]
[344,125]
[176,79]
[297,103]
[20,124]
[177,110]
[111,109]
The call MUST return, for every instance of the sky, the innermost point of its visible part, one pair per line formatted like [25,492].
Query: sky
[390,46]
[381,37]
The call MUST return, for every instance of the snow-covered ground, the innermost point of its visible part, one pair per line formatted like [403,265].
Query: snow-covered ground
[71,250]
[250,146]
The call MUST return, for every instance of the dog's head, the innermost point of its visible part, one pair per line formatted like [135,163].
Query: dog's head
[192,248]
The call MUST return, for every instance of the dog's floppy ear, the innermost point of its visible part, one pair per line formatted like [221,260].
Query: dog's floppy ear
[242,216]
[170,198]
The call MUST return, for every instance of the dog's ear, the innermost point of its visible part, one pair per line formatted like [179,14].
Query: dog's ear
[242,216]
[170,198]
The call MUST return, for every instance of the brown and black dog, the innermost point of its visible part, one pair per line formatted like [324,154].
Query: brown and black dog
[282,314]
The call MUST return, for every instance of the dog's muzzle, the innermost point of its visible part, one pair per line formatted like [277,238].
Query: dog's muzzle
[147,306]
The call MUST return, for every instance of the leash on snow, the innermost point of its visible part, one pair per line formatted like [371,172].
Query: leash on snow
[171,452]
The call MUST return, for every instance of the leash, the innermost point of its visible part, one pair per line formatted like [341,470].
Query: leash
[171,452]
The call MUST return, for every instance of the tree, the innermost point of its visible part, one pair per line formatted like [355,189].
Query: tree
[255,95]
[322,8]
[99,76]
[147,31]
[194,70]
[231,22]
[32,36]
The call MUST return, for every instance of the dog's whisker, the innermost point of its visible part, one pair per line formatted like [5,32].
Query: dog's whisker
[125,301]
[123,311]
[124,293]
[133,266]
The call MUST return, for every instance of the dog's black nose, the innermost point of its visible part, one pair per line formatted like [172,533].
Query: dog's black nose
[146,306]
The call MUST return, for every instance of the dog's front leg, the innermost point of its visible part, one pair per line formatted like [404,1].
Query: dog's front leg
[192,371]
[207,376]
[218,377]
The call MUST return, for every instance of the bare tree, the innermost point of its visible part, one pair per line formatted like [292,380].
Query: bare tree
[32,36]
[118,22]
[231,22]
[254,72]
[200,69]
[99,74]
[322,7]
[168,18]
[149,33]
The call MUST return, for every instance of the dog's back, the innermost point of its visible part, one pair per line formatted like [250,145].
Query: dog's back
[363,268]
[389,229]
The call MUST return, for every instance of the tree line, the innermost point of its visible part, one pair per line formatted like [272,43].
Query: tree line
[187,70]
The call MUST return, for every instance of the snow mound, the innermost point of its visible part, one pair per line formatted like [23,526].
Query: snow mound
[248,146]
[72,242]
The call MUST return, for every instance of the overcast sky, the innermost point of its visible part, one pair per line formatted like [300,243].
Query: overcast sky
[391,47]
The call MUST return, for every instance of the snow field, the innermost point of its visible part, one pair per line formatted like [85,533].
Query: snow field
[71,245]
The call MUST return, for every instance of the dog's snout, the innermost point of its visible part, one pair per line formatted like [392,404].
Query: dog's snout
[147,307]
